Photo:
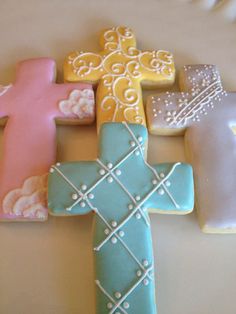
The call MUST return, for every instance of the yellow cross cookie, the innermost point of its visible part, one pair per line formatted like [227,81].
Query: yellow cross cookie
[119,70]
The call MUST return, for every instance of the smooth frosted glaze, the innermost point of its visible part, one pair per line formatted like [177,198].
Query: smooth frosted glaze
[31,105]
[207,115]
[120,187]
[119,70]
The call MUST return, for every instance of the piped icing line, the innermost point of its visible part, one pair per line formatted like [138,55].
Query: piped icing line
[206,114]
[106,175]
[97,282]
[136,207]
[124,188]
[109,188]
[151,168]
[114,231]
[201,99]
[142,278]
[97,212]
[4,89]
[118,237]
[117,305]
[119,69]
[32,105]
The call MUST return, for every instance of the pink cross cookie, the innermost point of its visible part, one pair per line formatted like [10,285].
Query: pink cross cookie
[31,106]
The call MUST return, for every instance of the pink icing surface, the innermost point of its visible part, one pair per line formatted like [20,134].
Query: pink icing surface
[29,141]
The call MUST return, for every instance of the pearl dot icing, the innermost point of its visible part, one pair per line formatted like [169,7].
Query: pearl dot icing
[109,179]
[161,191]
[118,295]
[114,240]
[102,172]
[118,172]
[74,196]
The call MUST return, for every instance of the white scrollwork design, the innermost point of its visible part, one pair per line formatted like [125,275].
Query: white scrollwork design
[120,65]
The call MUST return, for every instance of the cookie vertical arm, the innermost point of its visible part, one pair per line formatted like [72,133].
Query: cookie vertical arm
[176,193]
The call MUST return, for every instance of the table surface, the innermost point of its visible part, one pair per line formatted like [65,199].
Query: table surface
[47,267]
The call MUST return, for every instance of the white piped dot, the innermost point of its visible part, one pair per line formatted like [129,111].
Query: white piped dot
[58,164]
[114,223]
[109,179]
[74,196]
[137,153]
[84,187]
[154,182]
[140,139]
[109,165]
[138,198]
[106,231]
[82,204]
[91,196]
[121,233]
[132,143]
[161,192]
[145,263]
[138,215]
[102,172]
[118,295]
[114,240]
[162,175]
[130,206]
[139,273]
[109,306]
[118,172]
[145,282]
[167,183]
[52,170]
[126,305]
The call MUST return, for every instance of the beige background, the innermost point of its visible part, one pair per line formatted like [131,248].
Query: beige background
[47,268]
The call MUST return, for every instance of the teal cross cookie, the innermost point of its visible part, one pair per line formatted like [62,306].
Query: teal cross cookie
[120,187]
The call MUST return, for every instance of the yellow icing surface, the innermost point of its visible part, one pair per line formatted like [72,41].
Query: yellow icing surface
[119,70]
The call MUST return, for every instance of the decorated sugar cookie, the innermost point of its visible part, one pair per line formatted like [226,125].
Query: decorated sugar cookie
[119,70]
[120,187]
[207,116]
[31,106]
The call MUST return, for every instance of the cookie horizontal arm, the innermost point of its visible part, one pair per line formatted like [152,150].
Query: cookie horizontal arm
[165,114]
[176,194]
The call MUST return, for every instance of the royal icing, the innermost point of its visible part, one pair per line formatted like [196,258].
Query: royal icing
[30,201]
[79,103]
[120,187]
[120,69]
[31,105]
[207,115]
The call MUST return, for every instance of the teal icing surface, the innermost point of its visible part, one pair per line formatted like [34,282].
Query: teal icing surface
[120,187]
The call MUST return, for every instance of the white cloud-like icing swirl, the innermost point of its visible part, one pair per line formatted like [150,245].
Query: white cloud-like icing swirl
[79,103]
[30,201]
